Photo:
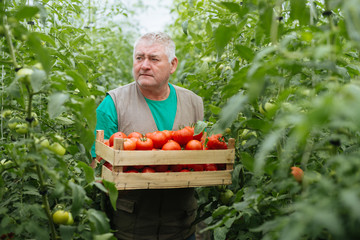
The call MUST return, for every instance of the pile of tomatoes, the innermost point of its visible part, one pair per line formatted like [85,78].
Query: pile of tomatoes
[182,139]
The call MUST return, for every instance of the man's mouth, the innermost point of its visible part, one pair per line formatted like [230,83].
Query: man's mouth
[146,75]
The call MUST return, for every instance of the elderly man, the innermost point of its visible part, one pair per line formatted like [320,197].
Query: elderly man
[148,104]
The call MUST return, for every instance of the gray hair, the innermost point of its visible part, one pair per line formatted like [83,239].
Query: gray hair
[162,38]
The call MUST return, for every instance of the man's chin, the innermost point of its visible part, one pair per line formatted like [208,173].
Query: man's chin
[146,83]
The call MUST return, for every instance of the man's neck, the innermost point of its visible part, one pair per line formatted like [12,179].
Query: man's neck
[158,94]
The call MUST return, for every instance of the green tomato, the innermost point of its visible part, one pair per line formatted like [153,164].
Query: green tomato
[24,75]
[70,220]
[45,143]
[226,196]
[267,107]
[57,148]
[61,217]
[246,134]
[22,128]
[13,122]
[6,114]
[38,66]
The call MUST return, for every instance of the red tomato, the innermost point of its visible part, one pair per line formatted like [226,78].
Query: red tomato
[135,135]
[148,170]
[144,143]
[161,168]
[148,135]
[198,137]
[129,144]
[116,135]
[168,134]
[107,143]
[176,168]
[131,171]
[216,141]
[171,145]
[298,173]
[185,170]
[139,167]
[159,139]
[194,145]
[183,136]
[108,165]
[196,167]
[210,167]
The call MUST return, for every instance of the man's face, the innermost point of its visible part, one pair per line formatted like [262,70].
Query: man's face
[151,67]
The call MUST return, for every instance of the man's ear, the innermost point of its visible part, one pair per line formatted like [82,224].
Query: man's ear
[174,64]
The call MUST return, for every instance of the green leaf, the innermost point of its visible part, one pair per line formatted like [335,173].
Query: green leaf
[245,52]
[99,222]
[75,42]
[300,11]
[47,38]
[89,111]
[78,198]
[185,26]
[220,211]
[56,104]
[79,82]
[200,126]
[247,160]
[352,17]
[87,136]
[37,78]
[113,192]
[214,109]
[89,172]
[26,12]
[42,54]
[104,236]
[67,232]
[230,112]
[223,35]
[266,147]
[220,233]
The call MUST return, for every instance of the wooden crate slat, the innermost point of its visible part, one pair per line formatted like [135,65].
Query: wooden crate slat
[129,158]
[128,181]
[104,151]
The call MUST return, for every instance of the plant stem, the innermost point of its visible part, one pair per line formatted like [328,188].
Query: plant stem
[43,190]
[46,202]
[9,41]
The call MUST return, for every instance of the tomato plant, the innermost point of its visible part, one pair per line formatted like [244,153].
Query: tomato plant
[274,76]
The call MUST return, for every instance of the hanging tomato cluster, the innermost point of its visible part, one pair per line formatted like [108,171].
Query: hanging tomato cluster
[182,139]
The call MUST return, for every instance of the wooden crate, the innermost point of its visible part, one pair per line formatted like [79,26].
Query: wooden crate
[159,180]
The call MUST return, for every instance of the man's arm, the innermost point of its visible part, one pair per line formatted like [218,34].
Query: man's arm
[106,119]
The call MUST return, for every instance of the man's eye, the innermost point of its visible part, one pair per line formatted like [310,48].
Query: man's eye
[155,59]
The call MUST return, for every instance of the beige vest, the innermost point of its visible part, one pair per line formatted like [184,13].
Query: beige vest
[161,213]
[134,114]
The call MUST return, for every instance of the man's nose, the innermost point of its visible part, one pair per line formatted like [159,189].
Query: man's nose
[145,64]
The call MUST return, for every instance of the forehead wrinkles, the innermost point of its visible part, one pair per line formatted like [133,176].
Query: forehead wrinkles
[149,48]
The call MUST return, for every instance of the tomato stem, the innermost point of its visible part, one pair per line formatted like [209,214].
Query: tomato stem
[9,40]
[46,202]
